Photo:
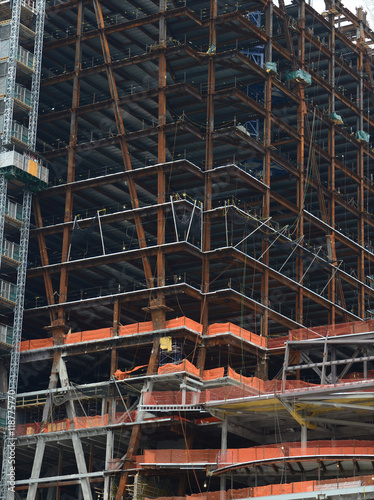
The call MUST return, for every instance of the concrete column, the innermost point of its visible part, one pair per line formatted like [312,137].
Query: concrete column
[304,439]
[223,455]
[108,458]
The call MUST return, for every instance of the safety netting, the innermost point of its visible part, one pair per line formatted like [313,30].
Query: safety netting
[147,327]
[248,386]
[120,375]
[215,329]
[78,423]
[284,451]
[332,330]
[347,448]
[177,457]
[184,366]
[278,489]
[230,328]
[318,332]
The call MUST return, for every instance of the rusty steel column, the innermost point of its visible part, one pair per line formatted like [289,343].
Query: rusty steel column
[44,258]
[266,173]
[201,357]
[122,140]
[71,164]
[158,304]
[116,322]
[301,115]
[116,316]
[330,238]
[204,317]
[59,472]
[361,171]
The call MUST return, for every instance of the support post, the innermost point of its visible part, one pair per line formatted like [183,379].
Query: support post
[223,456]
[304,439]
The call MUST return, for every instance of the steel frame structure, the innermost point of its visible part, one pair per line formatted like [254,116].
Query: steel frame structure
[142,114]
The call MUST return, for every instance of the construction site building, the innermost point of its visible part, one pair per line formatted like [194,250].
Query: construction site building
[199,297]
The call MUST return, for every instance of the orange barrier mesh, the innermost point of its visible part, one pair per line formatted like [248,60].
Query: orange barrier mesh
[214,329]
[120,375]
[84,422]
[26,429]
[278,489]
[62,425]
[251,386]
[318,331]
[28,345]
[167,398]
[177,456]
[129,329]
[207,420]
[185,366]
[289,450]
[212,374]
[220,328]
[183,321]
[147,326]
[216,495]
[277,342]
[123,417]
[348,449]
[332,330]
[79,423]
[103,333]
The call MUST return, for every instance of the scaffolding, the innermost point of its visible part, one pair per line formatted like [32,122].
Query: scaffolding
[21,173]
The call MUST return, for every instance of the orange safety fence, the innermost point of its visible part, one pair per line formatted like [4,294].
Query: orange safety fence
[277,342]
[184,321]
[321,331]
[220,328]
[313,449]
[97,421]
[278,489]
[185,366]
[28,345]
[213,374]
[120,375]
[36,427]
[167,398]
[145,327]
[250,386]
[177,456]
[332,330]
[227,392]
[207,420]
[79,423]
[347,448]
[214,329]
[103,333]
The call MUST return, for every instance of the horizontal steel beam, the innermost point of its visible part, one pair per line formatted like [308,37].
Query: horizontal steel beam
[330,363]
[69,477]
